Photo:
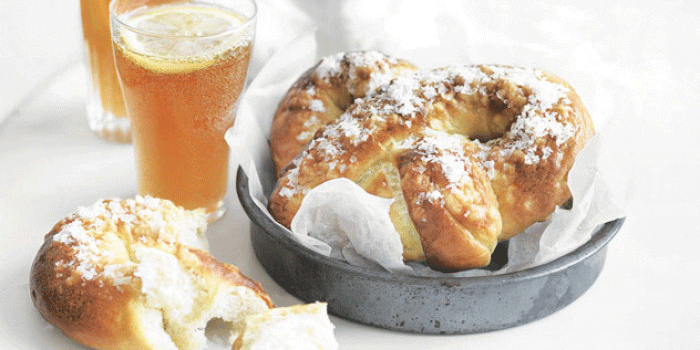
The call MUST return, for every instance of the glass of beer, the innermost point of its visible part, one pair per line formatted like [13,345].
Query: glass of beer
[182,67]
[105,108]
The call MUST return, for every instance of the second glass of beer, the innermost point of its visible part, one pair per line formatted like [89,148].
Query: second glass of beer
[182,67]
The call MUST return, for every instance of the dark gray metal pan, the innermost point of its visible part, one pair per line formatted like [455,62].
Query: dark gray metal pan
[449,305]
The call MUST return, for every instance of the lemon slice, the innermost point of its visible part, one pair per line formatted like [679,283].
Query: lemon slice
[184,33]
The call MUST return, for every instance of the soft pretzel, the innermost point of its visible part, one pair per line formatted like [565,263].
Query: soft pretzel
[133,274]
[471,155]
[323,93]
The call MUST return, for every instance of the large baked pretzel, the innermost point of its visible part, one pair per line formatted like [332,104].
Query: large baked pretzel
[471,155]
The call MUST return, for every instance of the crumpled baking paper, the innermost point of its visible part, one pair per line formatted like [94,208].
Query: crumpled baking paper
[357,228]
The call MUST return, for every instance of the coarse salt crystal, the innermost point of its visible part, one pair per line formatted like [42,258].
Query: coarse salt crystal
[433,196]
[412,93]
[329,66]
[92,225]
[317,106]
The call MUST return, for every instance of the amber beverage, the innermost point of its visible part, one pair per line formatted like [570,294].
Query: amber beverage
[106,112]
[181,96]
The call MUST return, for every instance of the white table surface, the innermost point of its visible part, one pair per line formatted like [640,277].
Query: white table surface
[647,296]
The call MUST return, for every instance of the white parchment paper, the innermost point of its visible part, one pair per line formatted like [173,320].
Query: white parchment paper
[357,228]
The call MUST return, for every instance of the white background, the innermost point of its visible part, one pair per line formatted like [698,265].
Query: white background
[636,65]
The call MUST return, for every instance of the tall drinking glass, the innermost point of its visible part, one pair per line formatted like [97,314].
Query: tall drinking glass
[105,108]
[182,67]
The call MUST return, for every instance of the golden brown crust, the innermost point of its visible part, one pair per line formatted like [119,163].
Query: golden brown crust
[89,277]
[450,222]
[528,193]
[230,274]
[519,130]
[322,94]
[83,310]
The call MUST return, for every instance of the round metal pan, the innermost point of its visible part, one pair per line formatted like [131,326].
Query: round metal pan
[449,305]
